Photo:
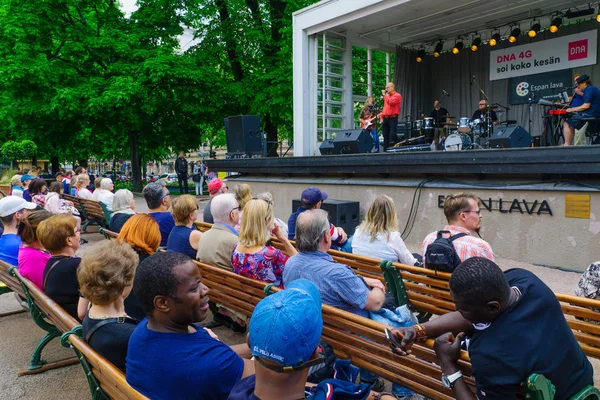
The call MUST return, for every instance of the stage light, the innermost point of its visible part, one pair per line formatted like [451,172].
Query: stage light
[514,34]
[534,30]
[598,16]
[458,46]
[476,43]
[556,23]
[494,39]
[438,49]
[420,55]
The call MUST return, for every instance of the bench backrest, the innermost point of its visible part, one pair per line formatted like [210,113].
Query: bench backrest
[108,234]
[92,208]
[9,280]
[75,201]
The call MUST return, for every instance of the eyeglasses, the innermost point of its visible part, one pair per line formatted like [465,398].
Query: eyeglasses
[234,208]
[482,104]
[478,212]
[164,195]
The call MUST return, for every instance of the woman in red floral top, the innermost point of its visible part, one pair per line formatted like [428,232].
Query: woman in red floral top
[251,258]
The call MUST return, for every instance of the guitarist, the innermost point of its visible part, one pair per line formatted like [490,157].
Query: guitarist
[368,118]
[438,114]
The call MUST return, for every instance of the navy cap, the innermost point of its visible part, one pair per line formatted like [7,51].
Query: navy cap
[312,196]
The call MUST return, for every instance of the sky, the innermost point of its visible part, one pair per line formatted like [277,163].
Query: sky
[185,41]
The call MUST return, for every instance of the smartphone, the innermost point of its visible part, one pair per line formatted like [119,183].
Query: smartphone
[393,341]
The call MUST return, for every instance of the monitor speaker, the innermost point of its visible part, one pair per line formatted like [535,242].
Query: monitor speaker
[327,147]
[243,134]
[509,137]
[342,213]
[352,141]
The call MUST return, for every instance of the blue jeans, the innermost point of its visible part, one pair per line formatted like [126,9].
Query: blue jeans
[375,137]
[369,377]
[346,247]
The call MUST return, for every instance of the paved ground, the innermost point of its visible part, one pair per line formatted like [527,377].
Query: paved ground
[19,336]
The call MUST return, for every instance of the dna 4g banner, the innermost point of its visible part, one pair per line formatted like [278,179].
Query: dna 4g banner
[547,55]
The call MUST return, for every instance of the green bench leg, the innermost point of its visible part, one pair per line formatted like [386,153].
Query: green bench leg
[588,393]
[36,358]
[537,387]
[395,286]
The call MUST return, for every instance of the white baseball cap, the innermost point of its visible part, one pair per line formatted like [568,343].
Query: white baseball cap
[12,204]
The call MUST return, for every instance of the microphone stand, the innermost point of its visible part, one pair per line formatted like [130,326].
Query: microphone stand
[531,101]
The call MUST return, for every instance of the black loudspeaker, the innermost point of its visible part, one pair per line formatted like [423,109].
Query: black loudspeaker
[341,213]
[510,136]
[327,147]
[352,141]
[243,134]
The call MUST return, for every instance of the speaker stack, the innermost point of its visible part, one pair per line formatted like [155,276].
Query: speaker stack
[510,137]
[352,141]
[243,135]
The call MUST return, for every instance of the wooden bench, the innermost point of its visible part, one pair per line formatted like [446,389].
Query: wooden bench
[91,211]
[108,234]
[9,284]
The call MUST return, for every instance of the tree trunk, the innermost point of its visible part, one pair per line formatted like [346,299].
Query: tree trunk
[55,164]
[136,170]
[230,43]
[83,163]
[272,140]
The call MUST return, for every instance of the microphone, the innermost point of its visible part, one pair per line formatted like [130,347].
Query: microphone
[472,79]
[446,93]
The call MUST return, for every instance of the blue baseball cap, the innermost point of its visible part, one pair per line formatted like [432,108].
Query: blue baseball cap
[286,326]
[312,196]
[26,177]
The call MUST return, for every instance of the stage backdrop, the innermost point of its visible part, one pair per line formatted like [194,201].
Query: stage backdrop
[421,83]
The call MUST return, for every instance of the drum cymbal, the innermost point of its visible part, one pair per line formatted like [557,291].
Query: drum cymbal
[490,108]
[451,123]
[449,116]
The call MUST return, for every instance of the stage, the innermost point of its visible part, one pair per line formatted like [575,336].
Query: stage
[540,205]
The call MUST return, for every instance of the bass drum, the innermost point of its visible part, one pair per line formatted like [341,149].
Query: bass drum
[428,123]
[464,125]
[457,141]
[418,125]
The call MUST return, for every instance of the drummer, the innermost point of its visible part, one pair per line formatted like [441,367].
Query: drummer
[439,115]
[481,113]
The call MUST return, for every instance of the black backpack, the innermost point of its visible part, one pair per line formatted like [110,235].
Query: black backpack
[441,254]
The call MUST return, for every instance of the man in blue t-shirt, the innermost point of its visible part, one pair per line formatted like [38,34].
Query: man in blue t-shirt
[12,210]
[158,200]
[169,356]
[288,347]
[589,109]
[515,326]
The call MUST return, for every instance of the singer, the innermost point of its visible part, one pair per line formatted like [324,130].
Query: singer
[392,101]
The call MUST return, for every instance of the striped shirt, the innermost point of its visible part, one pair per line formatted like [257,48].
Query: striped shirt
[466,246]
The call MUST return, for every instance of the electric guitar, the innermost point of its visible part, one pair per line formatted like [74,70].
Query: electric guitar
[366,124]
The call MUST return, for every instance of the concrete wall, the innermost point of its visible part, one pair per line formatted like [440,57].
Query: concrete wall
[545,239]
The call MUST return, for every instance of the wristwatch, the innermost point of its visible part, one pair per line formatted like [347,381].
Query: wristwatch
[448,380]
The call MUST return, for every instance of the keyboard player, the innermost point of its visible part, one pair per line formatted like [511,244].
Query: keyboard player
[590,107]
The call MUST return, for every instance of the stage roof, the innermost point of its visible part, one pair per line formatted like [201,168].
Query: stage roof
[411,23]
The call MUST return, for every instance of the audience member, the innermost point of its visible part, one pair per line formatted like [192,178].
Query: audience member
[55,204]
[169,288]
[251,257]
[215,187]
[74,179]
[98,188]
[123,208]
[32,258]
[67,182]
[81,190]
[198,178]
[37,191]
[463,213]
[59,235]
[105,277]
[589,284]
[268,197]
[338,285]
[184,236]
[26,180]
[141,232]
[106,195]
[218,242]
[494,308]
[312,198]
[59,176]
[16,187]
[13,210]
[243,194]
[158,200]
[285,352]
[378,236]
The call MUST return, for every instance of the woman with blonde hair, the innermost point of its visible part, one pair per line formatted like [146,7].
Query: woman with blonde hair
[105,278]
[243,194]
[81,184]
[251,257]
[142,233]
[378,237]
[184,237]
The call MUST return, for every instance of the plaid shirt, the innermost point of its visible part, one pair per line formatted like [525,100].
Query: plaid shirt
[466,246]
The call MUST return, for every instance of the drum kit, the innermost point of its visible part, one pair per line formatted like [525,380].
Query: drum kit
[466,134]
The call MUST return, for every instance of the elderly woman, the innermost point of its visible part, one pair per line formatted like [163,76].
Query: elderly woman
[184,237]
[37,191]
[106,195]
[16,186]
[97,188]
[32,258]
[378,235]
[81,184]
[59,235]
[106,278]
[141,232]
[251,257]
[123,208]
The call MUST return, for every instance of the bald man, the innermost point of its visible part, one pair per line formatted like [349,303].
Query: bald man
[392,101]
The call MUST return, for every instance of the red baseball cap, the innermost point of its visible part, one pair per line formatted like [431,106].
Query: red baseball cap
[215,185]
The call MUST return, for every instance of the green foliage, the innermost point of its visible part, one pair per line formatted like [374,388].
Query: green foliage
[12,150]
